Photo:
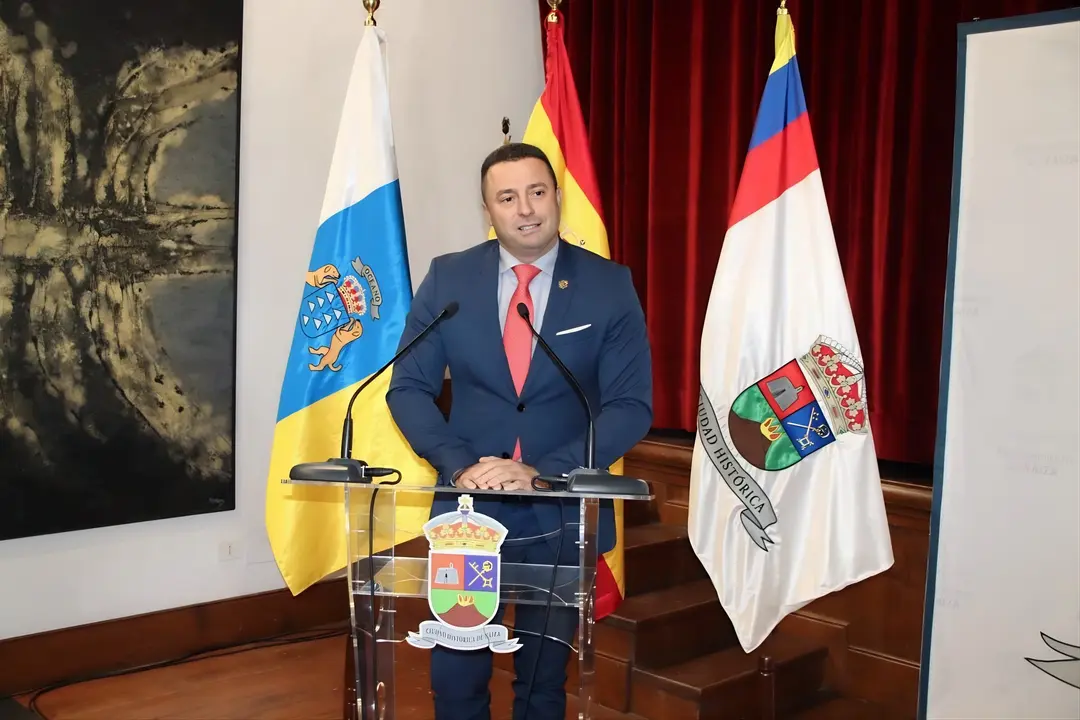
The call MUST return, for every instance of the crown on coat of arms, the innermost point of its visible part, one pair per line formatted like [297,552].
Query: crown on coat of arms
[771,429]
[465,532]
[353,296]
[838,378]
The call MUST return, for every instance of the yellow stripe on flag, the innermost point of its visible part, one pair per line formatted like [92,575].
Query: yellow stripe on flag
[784,42]
[581,224]
[306,523]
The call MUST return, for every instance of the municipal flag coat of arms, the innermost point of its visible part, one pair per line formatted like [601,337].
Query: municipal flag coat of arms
[780,420]
[464,571]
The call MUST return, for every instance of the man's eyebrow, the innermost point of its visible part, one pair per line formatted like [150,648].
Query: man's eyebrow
[530,186]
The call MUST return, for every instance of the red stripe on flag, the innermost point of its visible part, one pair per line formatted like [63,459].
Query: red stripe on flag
[608,596]
[560,101]
[773,167]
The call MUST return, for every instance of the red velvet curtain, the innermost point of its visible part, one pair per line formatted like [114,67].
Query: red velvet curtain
[670,90]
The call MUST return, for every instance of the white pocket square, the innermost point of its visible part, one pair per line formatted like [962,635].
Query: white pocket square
[579,328]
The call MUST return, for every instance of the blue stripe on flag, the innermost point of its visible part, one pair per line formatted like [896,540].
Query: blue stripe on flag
[355,320]
[782,102]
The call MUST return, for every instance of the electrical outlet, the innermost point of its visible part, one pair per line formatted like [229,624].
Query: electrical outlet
[230,550]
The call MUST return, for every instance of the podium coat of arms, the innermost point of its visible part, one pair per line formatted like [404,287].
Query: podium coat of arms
[463,582]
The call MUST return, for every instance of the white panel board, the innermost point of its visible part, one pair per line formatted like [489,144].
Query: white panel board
[1005,539]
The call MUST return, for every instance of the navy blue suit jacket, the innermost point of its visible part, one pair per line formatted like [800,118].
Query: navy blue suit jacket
[611,359]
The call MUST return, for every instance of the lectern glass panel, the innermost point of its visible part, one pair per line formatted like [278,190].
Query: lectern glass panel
[385,565]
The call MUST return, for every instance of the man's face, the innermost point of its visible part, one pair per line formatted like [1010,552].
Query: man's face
[522,204]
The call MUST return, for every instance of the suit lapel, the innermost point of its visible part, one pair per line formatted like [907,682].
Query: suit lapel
[562,290]
[559,297]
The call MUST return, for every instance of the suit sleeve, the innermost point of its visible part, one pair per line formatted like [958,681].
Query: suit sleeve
[417,381]
[625,378]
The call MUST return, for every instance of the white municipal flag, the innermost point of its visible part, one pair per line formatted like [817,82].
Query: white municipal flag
[785,498]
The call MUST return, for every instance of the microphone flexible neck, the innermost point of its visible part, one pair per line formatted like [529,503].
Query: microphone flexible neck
[590,437]
[347,425]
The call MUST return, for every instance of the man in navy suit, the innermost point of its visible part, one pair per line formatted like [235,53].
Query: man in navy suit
[514,415]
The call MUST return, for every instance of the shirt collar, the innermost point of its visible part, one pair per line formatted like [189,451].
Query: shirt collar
[545,262]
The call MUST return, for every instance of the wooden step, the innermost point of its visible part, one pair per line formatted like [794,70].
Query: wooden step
[725,685]
[842,709]
[638,513]
[663,627]
[667,627]
[666,549]
[658,556]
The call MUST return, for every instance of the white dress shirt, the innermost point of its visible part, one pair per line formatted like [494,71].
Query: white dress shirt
[539,288]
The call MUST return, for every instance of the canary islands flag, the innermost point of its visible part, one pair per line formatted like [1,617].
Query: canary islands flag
[785,498]
[557,127]
[355,297]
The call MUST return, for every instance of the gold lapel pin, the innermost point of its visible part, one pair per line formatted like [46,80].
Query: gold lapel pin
[563,284]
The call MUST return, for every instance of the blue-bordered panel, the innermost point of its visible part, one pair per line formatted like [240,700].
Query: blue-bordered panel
[965,30]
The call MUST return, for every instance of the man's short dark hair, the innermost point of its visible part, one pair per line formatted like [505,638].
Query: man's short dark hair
[511,152]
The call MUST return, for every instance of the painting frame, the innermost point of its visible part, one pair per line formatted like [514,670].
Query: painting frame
[119,270]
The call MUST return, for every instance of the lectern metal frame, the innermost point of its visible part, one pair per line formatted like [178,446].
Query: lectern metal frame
[371,512]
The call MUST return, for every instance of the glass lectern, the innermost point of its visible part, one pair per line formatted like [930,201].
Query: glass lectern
[383,567]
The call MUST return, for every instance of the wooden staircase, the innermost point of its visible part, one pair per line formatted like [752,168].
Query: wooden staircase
[669,652]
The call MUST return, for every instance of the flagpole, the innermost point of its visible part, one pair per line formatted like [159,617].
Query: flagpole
[553,17]
[371,6]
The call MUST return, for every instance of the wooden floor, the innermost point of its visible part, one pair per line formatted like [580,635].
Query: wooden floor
[300,681]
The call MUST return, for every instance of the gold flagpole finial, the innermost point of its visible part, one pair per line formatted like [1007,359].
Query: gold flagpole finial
[553,16]
[782,10]
[371,6]
[506,130]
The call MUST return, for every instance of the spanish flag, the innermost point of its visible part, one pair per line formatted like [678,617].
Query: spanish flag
[356,295]
[557,127]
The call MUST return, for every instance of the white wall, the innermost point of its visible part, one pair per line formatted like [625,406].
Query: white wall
[1005,558]
[454,74]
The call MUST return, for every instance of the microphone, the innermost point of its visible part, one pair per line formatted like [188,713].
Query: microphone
[344,468]
[587,479]
[346,430]
[590,439]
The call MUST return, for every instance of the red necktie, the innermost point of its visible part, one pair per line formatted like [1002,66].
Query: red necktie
[517,338]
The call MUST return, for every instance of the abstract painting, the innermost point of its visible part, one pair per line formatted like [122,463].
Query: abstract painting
[119,137]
